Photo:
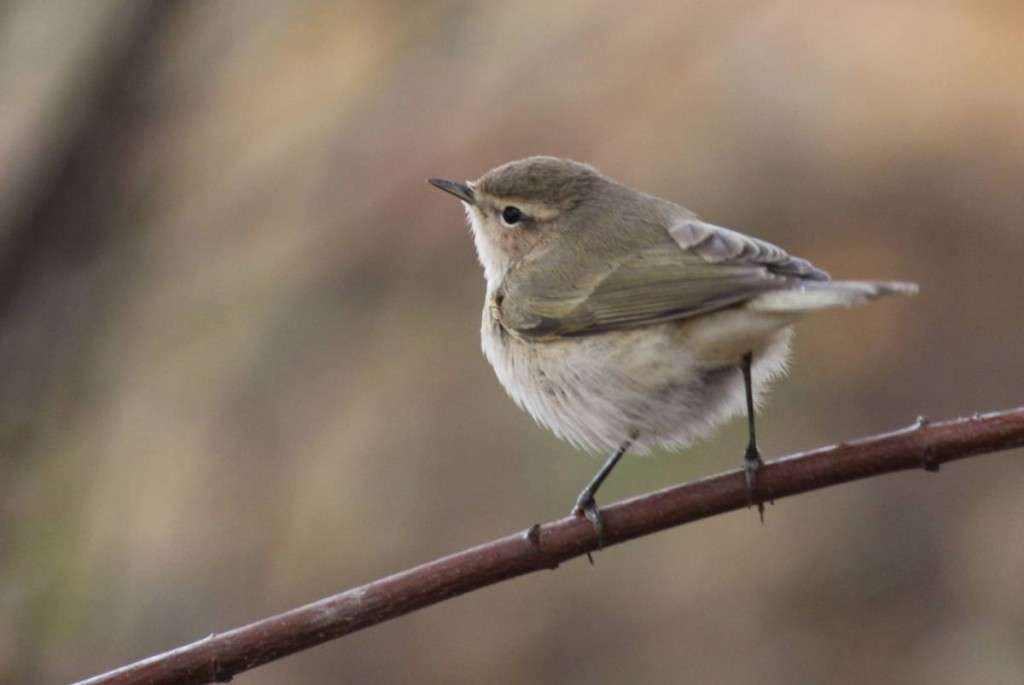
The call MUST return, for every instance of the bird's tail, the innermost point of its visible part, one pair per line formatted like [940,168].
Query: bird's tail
[812,295]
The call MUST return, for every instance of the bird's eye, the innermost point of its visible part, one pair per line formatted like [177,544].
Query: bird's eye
[511,215]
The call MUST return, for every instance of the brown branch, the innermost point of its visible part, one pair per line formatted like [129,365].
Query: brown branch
[221,656]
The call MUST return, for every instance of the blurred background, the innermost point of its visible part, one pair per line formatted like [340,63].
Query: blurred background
[239,352]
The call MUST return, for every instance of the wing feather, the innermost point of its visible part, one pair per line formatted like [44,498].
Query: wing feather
[697,268]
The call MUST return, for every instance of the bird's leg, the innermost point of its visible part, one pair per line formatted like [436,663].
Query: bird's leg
[585,503]
[752,458]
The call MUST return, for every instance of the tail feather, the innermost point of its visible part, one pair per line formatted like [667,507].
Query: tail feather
[812,295]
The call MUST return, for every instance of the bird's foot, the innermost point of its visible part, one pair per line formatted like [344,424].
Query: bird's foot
[586,506]
[751,463]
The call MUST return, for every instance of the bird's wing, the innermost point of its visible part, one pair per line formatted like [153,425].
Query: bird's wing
[697,268]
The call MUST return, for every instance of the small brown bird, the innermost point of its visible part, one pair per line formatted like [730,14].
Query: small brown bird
[621,321]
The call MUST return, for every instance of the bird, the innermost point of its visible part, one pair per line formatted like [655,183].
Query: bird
[621,321]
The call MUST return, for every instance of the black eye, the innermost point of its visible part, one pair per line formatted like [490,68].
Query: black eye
[511,215]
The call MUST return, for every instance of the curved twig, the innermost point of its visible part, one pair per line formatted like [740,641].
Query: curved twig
[219,657]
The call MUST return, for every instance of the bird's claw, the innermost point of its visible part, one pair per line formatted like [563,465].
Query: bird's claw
[751,463]
[587,507]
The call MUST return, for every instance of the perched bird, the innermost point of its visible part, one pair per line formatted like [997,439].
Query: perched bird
[621,321]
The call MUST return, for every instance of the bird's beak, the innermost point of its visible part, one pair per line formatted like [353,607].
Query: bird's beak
[459,190]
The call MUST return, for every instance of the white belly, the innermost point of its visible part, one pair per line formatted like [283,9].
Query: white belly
[670,383]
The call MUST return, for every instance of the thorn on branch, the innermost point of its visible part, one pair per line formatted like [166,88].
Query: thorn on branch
[533,536]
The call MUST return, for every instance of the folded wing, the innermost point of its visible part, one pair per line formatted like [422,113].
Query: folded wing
[697,268]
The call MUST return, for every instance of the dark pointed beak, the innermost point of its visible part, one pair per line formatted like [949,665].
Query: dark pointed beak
[459,190]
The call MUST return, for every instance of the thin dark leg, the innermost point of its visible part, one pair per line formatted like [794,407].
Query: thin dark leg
[752,459]
[585,503]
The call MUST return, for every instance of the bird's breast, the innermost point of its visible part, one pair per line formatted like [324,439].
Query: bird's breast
[663,380]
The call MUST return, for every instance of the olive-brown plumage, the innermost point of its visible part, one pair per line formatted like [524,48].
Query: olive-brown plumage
[621,320]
